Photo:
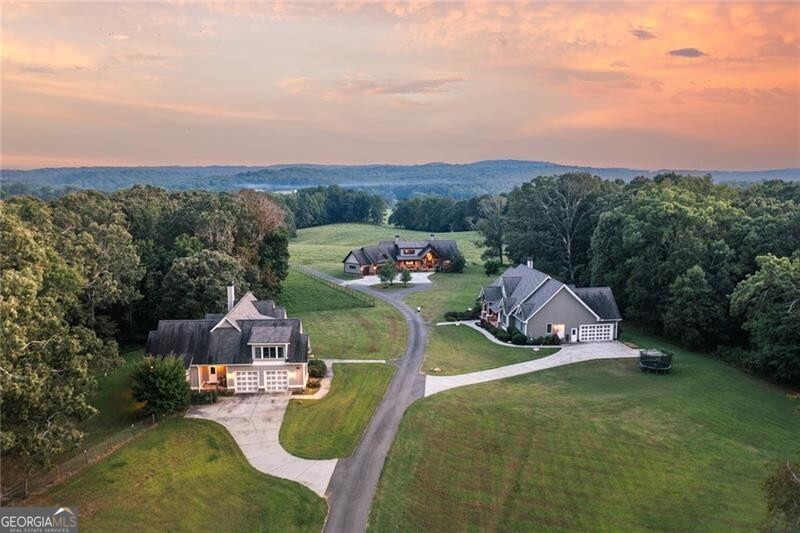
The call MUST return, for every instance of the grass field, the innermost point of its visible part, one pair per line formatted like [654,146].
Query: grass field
[449,292]
[116,408]
[184,475]
[337,323]
[324,247]
[461,349]
[304,294]
[591,446]
[331,427]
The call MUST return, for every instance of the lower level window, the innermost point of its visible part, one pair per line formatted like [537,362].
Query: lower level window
[549,329]
[269,352]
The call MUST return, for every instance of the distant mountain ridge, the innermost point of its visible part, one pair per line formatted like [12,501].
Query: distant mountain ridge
[458,180]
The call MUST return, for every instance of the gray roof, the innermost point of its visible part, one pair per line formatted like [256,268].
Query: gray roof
[270,335]
[531,289]
[538,299]
[601,301]
[492,293]
[376,255]
[195,341]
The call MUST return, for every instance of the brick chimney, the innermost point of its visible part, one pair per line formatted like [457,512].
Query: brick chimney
[231,296]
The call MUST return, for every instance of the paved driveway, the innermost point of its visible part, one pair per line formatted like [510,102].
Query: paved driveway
[567,355]
[255,420]
[417,278]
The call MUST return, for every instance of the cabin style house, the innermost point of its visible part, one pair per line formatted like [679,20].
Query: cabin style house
[253,347]
[431,255]
[537,305]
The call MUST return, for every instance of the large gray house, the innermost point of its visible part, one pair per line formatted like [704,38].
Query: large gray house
[253,347]
[532,302]
[418,256]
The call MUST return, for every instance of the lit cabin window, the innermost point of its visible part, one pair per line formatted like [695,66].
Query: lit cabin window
[269,352]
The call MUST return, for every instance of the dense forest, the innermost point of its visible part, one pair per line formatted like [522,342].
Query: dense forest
[393,182]
[317,206]
[436,213]
[89,270]
[711,266]
[86,270]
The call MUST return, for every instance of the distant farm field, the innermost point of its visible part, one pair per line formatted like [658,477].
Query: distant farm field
[324,247]
[591,446]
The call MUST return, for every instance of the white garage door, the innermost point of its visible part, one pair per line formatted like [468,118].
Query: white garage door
[276,380]
[596,332]
[247,381]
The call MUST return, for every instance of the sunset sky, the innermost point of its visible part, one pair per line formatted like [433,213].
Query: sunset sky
[666,85]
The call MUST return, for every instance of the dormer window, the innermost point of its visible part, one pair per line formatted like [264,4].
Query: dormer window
[409,251]
[269,352]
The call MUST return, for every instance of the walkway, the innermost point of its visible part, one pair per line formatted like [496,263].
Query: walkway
[567,355]
[473,325]
[254,421]
[417,278]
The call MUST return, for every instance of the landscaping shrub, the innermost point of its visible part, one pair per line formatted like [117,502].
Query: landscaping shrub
[519,339]
[457,264]
[317,368]
[203,397]
[160,382]
[468,314]
[503,335]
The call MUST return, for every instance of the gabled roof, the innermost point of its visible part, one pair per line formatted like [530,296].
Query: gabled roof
[601,301]
[546,291]
[375,255]
[196,343]
[270,335]
[250,308]
[527,290]
[226,339]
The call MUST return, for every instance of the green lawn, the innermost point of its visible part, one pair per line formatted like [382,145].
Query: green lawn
[337,323]
[304,294]
[591,446]
[449,292]
[324,247]
[116,408]
[461,349]
[331,427]
[184,475]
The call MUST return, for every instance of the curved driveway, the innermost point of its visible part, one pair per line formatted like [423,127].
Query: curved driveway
[355,478]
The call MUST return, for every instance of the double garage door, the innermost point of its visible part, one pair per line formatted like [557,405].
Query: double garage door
[275,380]
[596,332]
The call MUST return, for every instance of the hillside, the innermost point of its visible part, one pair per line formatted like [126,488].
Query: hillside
[393,181]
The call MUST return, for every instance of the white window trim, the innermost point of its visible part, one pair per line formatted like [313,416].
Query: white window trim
[259,347]
[548,328]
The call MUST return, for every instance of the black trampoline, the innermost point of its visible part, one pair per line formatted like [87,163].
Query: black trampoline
[652,360]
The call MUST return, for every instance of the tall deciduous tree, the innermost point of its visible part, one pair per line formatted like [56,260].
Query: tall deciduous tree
[45,362]
[769,300]
[492,226]
[693,314]
[196,285]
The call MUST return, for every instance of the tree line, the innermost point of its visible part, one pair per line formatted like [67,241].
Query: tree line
[436,213]
[316,206]
[85,271]
[708,265]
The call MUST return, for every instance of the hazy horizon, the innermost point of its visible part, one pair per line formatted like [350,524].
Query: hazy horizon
[712,86]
